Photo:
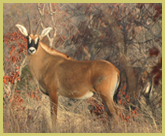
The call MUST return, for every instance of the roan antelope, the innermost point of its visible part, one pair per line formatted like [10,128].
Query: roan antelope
[59,74]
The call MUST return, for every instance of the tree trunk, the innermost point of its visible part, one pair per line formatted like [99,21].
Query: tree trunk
[131,79]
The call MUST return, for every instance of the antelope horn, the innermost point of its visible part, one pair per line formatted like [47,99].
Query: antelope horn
[30,25]
[38,26]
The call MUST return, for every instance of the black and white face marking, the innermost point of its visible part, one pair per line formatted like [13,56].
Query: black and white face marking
[33,40]
[32,44]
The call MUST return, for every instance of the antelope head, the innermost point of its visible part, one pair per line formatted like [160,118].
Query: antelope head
[33,39]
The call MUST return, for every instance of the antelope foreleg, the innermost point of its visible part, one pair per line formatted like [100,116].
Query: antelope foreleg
[54,104]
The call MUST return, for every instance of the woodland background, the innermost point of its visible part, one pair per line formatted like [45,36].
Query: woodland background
[127,35]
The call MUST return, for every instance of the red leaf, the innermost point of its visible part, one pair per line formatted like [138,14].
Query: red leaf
[127,117]
[123,93]
[124,103]
[4,80]
[127,96]
[18,79]
[17,91]
[120,101]
[32,95]
[124,87]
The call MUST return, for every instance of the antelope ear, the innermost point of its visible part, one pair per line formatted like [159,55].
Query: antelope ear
[22,29]
[45,32]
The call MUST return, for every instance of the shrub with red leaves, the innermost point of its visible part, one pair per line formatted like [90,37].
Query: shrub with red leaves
[17,46]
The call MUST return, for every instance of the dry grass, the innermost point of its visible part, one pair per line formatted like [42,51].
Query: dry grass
[73,118]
